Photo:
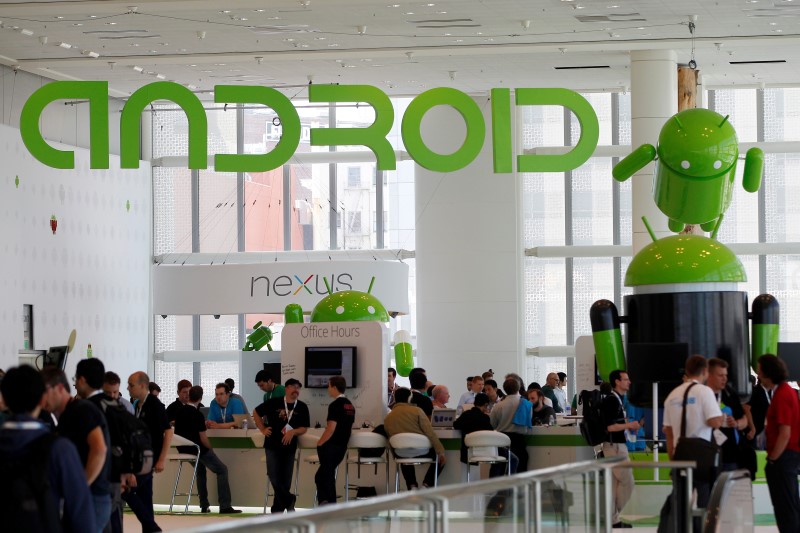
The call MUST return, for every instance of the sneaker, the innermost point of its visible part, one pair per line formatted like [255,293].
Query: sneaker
[621,525]
[229,510]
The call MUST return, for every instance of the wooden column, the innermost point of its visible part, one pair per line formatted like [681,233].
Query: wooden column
[687,99]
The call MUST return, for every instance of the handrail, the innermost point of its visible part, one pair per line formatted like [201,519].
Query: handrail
[722,490]
[436,499]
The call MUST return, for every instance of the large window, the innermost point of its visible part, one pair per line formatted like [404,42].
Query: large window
[303,205]
[586,207]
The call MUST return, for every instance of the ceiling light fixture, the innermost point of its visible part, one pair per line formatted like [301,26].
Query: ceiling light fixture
[137,68]
[259,59]
[26,32]
[43,40]
[65,45]
[91,54]
[525,24]
[160,77]
[201,35]
[112,64]
[452,74]
[361,30]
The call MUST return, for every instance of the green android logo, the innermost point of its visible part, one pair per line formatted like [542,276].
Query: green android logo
[697,154]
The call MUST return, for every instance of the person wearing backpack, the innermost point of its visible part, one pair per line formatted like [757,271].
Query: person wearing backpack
[152,412]
[90,382]
[85,425]
[616,420]
[41,473]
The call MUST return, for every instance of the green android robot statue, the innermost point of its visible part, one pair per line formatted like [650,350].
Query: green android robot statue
[685,297]
[697,154]
[260,337]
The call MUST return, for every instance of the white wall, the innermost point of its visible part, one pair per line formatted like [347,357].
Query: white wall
[68,124]
[92,275]
[469,261]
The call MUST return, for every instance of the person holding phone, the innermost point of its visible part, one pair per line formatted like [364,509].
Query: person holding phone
[616,419]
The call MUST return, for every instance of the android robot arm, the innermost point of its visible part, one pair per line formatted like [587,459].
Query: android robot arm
[765,327]
[753,169]
[634,162]
[607,337]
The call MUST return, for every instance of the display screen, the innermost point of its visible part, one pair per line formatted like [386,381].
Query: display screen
[323,362]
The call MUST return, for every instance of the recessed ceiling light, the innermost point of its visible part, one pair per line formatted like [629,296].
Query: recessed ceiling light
[193,65]
[153,51]
[224,11]
[430,5]
[614,6]
[376,65]
[479,33]
[773,23]
[111,23]
[181,49]
[65,45]
[289,40]
[59,17]
[349,66]
[219,64]
[489,40]
[640,28]
[777,31]
[273,18]
[320,38]
[304,45]
[579,7]
[409,13]
[137,68]
[92,16]
[448,34]
[207,71]
[161,76]
[332,45]
[26,32]
[441,12]
[163,44]
[134,44]
[259,10]
[78,24]
[393,5]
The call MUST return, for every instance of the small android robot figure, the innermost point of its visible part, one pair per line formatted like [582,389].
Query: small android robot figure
[260,337]
[697,154]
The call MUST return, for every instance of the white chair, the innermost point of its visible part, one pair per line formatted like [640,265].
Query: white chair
[405,447]
[482,447]
[192,458]
[307,442]
[361,440]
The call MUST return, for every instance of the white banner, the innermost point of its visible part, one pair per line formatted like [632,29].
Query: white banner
[270,287]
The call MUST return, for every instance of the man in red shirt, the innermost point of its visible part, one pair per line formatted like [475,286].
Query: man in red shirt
[783,443]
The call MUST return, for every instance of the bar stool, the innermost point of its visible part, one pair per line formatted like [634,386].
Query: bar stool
[482,447]
[193,459]
[307,442]
[360,441]
[406,447]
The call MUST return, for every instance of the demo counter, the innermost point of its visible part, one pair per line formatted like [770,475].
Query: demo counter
[241,450]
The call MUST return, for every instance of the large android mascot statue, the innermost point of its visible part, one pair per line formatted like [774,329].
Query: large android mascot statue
[686,300]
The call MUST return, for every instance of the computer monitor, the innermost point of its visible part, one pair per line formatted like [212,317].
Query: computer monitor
[323,362]
[56,356]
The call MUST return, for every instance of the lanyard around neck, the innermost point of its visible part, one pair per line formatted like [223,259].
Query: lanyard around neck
[288,412]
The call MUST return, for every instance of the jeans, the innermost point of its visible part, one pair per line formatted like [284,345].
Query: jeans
[410,475]
[519,448]
[211,462]
[102,510]
[115,522]
[280,463]
[329,458]
[783,491]
[140,500]
[501,469]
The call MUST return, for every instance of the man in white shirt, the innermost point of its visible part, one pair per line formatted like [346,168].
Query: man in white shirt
[469,397]
[703,416]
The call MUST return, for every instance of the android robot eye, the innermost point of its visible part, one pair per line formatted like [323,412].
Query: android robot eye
[717,164]
[685,164]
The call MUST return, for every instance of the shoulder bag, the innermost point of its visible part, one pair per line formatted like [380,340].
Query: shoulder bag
[705,453]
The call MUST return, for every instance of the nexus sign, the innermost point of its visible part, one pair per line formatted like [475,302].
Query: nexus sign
[374,136]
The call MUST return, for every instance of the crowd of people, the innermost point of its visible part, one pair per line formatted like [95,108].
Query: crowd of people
[64,433]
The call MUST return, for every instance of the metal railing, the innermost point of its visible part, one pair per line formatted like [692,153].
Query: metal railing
[515,503]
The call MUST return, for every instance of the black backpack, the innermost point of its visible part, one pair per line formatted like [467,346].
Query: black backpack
[593,427]
[131,446]
[26,501]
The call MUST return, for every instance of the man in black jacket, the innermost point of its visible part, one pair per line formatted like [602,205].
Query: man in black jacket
[477,419]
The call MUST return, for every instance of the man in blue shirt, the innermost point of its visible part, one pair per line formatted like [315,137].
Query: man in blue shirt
[222,409]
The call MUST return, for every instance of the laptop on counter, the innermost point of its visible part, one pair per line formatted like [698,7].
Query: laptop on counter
[251,424]
[443,418]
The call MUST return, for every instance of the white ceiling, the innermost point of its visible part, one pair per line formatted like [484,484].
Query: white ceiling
[491,43]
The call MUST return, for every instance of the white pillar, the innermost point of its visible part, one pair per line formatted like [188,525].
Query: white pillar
[469,260]
[654,98]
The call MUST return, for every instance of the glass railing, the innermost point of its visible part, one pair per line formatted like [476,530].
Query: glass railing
[576,497]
